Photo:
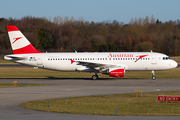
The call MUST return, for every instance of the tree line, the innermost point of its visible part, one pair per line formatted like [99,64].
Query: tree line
[67,35]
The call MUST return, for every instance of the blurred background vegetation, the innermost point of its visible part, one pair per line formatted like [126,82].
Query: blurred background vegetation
[68,34]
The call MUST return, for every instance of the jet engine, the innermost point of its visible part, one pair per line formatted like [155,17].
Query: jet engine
[115,72]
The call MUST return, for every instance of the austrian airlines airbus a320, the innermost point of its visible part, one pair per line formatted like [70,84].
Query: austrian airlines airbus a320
[111,63]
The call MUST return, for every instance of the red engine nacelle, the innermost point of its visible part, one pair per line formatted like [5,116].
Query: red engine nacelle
[116,72]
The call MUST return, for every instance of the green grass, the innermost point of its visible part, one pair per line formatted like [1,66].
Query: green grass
[6,85]
[125,104]
[30,72]
[2,61]
[176,58]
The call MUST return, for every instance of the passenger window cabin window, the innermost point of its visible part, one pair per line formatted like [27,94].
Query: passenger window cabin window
[109,58]
[166,58]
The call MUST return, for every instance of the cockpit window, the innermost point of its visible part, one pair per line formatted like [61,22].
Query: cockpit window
[166,58]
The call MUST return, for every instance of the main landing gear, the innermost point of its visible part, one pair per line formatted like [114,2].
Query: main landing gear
[153,75]
[95,77]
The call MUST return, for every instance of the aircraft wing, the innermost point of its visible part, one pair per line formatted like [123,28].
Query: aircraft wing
[98,66]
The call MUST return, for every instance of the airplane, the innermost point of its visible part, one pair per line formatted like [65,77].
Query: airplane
[114,64]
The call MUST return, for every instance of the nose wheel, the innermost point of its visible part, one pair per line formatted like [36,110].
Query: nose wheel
[153,75]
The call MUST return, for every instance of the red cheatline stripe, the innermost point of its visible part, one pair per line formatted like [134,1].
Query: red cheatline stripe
[25,50]
[12,28]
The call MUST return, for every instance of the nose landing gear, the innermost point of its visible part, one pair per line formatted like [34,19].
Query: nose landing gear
[153,75]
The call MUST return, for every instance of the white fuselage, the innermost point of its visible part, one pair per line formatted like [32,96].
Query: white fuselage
[128,60]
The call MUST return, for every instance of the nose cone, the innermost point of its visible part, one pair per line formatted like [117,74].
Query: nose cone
[174,64]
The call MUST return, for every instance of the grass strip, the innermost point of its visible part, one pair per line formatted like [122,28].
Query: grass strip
[2,61]
[176,58]
[7,85]
[30,72]
[124,104]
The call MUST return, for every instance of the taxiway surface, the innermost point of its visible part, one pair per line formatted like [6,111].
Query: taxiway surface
[11,98]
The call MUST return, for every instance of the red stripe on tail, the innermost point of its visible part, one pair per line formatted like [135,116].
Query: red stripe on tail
[25,50]
[12,28]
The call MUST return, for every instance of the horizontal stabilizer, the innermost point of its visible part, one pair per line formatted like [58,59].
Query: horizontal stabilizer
[14,57]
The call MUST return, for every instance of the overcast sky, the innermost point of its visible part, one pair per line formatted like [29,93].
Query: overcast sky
[92,10]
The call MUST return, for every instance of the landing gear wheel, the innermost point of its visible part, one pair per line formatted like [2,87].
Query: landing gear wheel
[153,77]
[95,77]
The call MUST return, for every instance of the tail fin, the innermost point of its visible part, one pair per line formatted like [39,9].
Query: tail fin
[19,43]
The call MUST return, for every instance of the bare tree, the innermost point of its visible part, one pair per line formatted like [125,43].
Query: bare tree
[146,20]
[131,21]
[152,20]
